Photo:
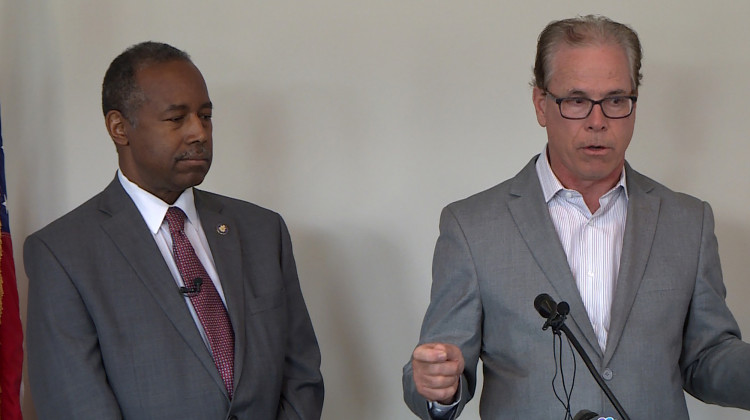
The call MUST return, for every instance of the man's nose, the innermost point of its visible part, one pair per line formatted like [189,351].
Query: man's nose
[596,120]
[198,128]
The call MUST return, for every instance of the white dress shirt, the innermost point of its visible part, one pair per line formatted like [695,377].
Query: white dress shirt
[592,242]
[154,210]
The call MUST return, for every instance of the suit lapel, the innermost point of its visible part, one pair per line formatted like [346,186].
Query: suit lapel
[640,228]
[532,218]
[130,234]
[222,233]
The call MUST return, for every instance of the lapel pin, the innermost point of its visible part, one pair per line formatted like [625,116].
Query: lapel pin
[222,229]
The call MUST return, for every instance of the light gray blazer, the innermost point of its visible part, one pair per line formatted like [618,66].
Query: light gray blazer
[670,327]
[109,336]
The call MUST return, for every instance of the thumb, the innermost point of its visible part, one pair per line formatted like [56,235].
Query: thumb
[452,352]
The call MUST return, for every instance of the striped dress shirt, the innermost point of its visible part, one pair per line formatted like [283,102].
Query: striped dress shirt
[592,242]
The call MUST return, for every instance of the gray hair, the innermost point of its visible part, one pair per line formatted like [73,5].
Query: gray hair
[585,31]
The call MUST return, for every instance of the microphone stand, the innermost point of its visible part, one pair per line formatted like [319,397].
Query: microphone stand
[557,322]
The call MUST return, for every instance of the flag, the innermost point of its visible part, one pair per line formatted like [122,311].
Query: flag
[11,335]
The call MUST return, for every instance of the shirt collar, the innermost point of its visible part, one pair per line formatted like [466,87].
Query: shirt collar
[551,185]
[153,209]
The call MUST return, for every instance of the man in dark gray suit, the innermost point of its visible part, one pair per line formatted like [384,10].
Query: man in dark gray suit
[196,315]
[637,263]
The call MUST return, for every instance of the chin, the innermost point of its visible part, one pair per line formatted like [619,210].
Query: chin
[192,180]
[603,175]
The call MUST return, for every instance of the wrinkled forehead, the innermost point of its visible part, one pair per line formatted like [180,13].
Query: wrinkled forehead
[597,68]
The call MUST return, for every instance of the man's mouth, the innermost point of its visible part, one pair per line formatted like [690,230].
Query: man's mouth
[194,155]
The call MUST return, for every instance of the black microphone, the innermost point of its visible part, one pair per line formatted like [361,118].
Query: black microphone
[585,415]
[192,291]
[556,313]
[546,306]
[563,308]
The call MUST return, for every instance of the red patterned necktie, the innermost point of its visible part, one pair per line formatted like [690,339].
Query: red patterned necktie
[204,297]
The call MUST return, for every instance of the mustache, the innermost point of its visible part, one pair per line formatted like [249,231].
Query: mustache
[198,152]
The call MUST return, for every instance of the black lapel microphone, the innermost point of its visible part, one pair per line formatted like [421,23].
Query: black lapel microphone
[192,291]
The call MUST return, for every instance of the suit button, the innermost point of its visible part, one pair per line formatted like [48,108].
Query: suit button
[607,374]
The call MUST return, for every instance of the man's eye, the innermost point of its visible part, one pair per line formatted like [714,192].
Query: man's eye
[206,116]
[576,101]
[176,119]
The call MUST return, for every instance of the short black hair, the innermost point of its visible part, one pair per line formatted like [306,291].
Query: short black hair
[120,91]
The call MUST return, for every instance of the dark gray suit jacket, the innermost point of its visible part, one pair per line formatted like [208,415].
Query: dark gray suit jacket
[670,327]
[109,335]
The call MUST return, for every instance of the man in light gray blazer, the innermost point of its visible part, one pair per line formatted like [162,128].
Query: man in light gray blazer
[637,263]
[114,329]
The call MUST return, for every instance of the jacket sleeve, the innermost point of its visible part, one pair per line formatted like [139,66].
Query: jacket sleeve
[454,315]
[302,388]
[715,361]
[66,372]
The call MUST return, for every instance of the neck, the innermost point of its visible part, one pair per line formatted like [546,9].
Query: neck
[166,195]
[592,191]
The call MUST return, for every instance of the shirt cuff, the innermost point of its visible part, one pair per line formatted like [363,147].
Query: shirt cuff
[444,411]
[441,411]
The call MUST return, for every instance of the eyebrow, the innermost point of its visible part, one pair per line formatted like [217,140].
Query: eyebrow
[616,92]
[183,107]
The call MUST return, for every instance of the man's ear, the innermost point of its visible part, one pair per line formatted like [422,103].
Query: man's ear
[117,127]
[539,97]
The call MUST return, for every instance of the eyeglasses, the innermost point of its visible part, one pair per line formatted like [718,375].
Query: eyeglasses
[578,108]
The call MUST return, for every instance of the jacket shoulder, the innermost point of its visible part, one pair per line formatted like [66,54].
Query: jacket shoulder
[494,199]
[237,207]
[75,221]
[642,184]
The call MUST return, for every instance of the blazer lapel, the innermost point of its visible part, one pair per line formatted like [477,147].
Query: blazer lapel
[640,228]
[130,234]
[531,215]
[223,237]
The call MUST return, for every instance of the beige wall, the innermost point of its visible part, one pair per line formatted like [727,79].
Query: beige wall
[358,121]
